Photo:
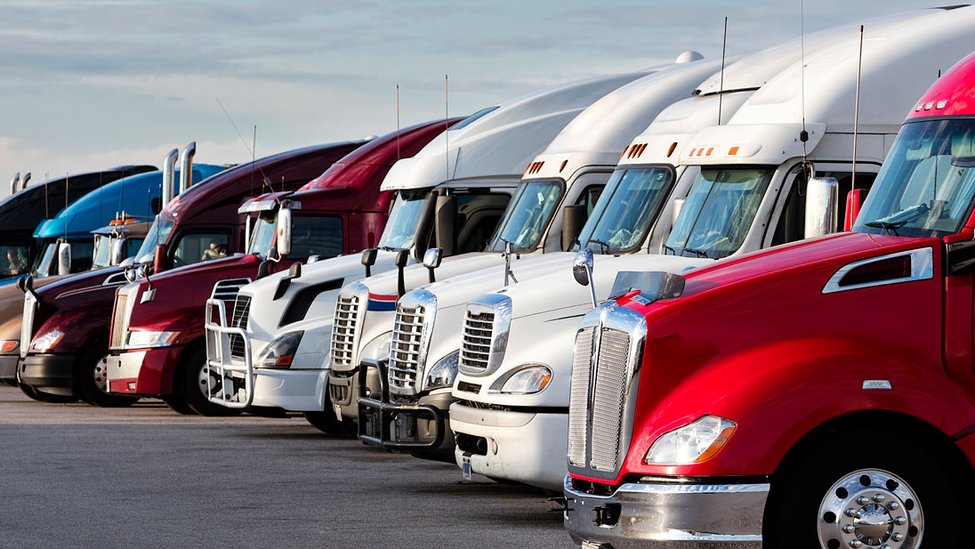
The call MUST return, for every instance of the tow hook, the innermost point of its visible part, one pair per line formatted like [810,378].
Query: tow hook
[607,515]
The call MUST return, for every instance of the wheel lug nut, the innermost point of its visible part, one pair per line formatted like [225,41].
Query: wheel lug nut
[879,498]
[885,546]
[851,512]
[849,529]
[856,543]
[897,537]
[893,506]
[862,500]
[900,521]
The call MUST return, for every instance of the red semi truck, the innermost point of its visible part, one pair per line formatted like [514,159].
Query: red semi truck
[819,394]
[67,322]
[158,344]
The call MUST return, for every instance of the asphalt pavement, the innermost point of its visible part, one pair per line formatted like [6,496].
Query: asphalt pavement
[76,476]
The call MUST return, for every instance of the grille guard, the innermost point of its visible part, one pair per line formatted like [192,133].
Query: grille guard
[221,363]
[387,411]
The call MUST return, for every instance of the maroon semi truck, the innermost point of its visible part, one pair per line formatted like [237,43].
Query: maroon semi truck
[67,322]
[158,336]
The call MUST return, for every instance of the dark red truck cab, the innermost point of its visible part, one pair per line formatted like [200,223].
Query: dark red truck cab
[68,321]
[341,212]
[818,394]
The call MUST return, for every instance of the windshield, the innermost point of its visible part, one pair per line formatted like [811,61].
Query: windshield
[45,260]
[403,219]
[527,216]
[158,234]
[262,235]
[718,212]
[927,183]
[102,256]
[13,260]
[626,209]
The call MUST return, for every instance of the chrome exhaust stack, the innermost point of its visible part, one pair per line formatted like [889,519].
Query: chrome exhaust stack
[14,183]
[186,167]
[24,180]
[169,182]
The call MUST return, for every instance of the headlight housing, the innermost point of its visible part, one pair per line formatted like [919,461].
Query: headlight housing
[144,339]
[695,442]
[9,345]
[47,341]
[280,352]
[443,372]
[527,381]
[378,348]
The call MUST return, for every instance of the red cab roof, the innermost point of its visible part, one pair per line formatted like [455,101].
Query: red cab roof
[952,95]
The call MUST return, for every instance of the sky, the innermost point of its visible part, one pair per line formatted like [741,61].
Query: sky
[90,84]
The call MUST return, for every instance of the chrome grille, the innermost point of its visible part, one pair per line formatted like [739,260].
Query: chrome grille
[579,396]
[227,290]
[343,331]
[608,397]
[27,323]
[475,348]
[118,320]
[406,347]
[242,310]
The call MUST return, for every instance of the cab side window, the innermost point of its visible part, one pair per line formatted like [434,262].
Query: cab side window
[194,248]
[792,222]
[477,217]
[321,236]
[589,197]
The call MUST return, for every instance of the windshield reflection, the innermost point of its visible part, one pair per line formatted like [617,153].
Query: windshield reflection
[527,216]
[627,208]
[404,218]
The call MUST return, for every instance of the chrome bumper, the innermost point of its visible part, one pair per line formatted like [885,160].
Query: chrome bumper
[668,516]
[232,373]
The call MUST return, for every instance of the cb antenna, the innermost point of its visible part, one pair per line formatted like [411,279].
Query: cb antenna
[252,151]
[724,47]
[856,113]
[803,134]
[397,122]
[446,126]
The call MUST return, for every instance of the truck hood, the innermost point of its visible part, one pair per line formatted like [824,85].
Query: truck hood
[416,276]
[559,289]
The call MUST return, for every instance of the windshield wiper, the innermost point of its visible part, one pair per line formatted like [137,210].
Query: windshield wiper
[603,247]
[698,253]
[889,228]
[669,249]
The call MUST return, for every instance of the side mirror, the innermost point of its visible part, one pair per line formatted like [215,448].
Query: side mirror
[284,232]
[127,262]
[369,259]
[445,221]
[431,260]
[22,281]
[582,271]
[573,219]
[159,260]
[677,208]
[263,269]
[822,200]
[118,251]
[64,259]
[854,199]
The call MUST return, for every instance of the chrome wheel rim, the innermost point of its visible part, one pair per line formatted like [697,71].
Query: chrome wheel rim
[216,385]
[101,374]
[870,508]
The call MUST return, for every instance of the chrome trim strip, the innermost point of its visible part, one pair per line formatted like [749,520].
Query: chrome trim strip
[922,268]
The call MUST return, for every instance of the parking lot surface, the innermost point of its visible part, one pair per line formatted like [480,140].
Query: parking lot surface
[79,476]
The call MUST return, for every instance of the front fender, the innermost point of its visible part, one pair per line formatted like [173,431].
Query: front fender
[79,326]
[776,397]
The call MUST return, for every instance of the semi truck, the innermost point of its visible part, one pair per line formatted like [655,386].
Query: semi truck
[815,395]
[558,191]
[341,212]
[451,194]
[773,174]
[68,321]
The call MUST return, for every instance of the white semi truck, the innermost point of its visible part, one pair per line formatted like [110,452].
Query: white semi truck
[452,193]
[558,191]
[745,186]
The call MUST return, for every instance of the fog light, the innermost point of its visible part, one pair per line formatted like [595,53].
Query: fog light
[131,385]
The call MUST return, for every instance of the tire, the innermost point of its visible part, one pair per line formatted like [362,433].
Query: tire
[92,379]
[814,498]
[177,404]
[191,384]
[325,422]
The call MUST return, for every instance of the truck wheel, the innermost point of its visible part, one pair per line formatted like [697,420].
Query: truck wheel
[192,383]
[846,494]
[325,422]
[178,404]
[93,380]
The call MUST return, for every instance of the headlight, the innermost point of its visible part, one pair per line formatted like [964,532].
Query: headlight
[9,345]
[377,349]
[693,443]
[527,381]
[280,352]
[141,340]
[47,341]
[443,372]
